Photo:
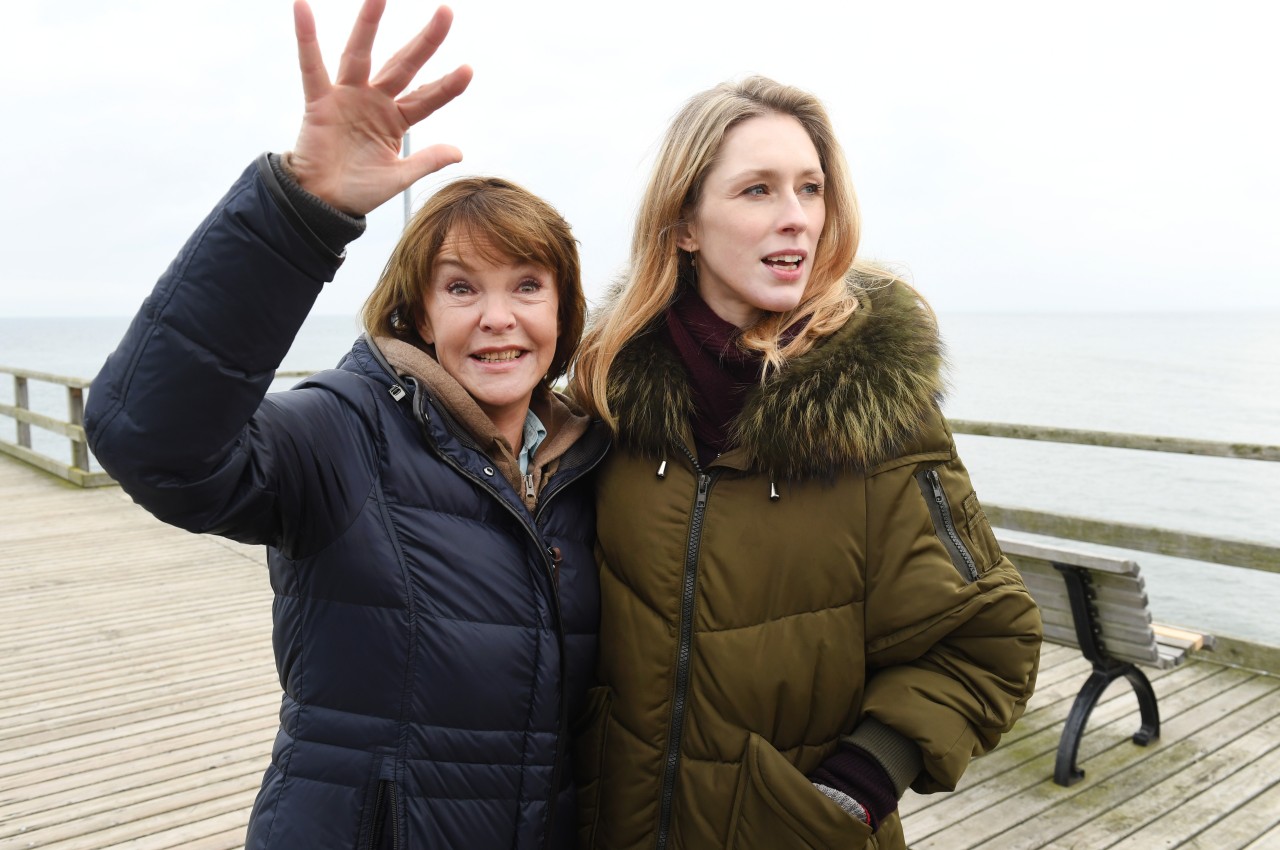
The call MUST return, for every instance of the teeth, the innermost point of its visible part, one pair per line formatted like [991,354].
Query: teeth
[499,356]
[784,259]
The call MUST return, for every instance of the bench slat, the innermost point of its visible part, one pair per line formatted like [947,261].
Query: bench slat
[1100,563]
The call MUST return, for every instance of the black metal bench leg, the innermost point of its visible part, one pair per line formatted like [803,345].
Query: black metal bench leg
[1147,707]
[1065,771]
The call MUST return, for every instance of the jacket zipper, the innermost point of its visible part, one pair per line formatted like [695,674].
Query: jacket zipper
[379,815]
[549,560]
[942,519]
[684,652]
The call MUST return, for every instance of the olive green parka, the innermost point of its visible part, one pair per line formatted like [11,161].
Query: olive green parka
[834,566]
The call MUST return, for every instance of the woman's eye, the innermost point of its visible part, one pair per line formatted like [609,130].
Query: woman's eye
[811,189]
[756,190]
[530,285]
[458,288]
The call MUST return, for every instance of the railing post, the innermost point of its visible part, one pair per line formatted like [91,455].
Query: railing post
[21,402]
[75,415]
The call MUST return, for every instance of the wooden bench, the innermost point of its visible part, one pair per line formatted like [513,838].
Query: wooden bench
[1099,604]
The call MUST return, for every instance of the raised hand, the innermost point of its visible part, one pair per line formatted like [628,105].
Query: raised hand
[348,150]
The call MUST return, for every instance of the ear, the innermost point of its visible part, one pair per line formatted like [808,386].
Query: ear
[424,331]
[686,238]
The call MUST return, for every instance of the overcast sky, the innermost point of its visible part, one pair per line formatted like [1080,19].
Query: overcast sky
[1008,156]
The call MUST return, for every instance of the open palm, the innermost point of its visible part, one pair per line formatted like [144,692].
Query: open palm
[348,150]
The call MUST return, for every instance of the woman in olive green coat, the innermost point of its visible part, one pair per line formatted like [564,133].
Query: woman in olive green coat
[804,608]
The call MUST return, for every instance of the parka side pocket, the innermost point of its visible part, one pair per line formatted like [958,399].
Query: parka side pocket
[981,537]
[946,523]
[590,734]
[776,807]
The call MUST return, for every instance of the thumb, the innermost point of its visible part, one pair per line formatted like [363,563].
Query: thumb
[429,160]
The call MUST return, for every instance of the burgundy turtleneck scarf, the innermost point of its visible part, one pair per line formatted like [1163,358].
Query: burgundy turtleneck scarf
[720,372]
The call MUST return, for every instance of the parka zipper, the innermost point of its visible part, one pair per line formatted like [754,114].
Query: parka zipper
[684,651]
[940,510]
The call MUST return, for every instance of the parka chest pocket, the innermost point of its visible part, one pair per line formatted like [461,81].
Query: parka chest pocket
[960,523]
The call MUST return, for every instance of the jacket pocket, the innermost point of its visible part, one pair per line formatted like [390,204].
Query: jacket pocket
[380,824]
[960,524]
[982,538]
[776,807]
[590,737]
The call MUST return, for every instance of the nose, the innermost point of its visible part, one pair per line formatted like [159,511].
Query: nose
[792,218]
[496,315]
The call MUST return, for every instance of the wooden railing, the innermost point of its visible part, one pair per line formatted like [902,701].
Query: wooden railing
[1216,550]
[78,471]
[1142,538]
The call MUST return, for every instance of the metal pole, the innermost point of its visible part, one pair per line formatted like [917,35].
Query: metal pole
[408,203]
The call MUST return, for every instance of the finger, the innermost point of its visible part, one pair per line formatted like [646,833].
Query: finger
[356,57]
[428,161]
[408,60]
[315,79]
[424,100]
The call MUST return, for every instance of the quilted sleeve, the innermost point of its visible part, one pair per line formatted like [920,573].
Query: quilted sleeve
[953,636]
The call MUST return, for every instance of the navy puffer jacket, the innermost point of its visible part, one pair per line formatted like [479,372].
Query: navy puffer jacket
[430,650]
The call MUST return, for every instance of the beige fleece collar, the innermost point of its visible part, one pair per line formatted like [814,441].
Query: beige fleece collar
[565,423]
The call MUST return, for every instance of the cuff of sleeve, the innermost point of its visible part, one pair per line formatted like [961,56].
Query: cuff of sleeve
[897,754]
[330,225]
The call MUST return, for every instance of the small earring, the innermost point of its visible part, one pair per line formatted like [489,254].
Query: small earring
[693,258]
[398,324]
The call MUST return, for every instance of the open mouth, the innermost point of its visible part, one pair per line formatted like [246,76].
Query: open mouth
[499,356]
[784,262]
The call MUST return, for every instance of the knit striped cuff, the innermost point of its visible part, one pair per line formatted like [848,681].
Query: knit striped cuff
[898,755]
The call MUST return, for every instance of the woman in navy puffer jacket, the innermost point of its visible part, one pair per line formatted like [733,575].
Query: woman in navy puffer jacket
[427,505]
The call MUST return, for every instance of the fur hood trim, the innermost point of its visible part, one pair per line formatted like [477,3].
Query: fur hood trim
[853,402]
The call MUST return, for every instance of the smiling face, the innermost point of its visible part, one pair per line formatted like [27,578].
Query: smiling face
[494,326]
[755,228]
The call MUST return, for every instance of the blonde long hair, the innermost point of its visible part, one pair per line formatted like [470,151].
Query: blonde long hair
[658,267]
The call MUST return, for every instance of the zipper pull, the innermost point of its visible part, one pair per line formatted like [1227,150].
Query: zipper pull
[704,481]
[528,486]
[936,483]
[397,392]
[556,559]
[662,470]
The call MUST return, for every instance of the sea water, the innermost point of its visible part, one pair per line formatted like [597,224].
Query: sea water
[1213,376]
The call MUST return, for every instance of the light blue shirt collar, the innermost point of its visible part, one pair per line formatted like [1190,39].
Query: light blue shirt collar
[534,433]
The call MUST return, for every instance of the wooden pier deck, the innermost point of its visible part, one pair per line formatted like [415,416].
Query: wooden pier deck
[138,700]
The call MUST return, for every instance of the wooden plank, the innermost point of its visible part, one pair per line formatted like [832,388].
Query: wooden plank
[1181,795]
[1210,790]
[154,701]
[47,377]
[1242,826]
[1118,440]
[1140,538]
[28,417]
[1189,641]
[1014,549]
[39,461]
[1034,740]
[1024,808]
[95,593]
[21,402]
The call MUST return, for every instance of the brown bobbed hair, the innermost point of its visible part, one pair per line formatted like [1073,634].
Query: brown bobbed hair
[658,268]
[510,224]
